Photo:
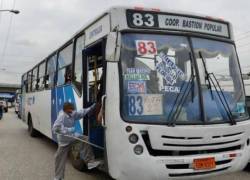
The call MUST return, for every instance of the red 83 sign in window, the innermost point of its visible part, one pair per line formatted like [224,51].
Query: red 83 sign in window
[146,47]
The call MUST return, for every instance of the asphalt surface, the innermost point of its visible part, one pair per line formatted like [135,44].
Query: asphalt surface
[26,158]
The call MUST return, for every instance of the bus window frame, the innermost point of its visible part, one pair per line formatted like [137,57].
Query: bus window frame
[78,91]
[85,81]
[69,43]
[34,80]
[46,77]
[23,83]
[42,78]
[29,84]
[189,35]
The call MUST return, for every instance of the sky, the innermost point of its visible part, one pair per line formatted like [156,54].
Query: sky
[44,25]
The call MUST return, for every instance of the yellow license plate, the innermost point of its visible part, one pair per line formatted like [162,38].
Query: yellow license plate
[204,164]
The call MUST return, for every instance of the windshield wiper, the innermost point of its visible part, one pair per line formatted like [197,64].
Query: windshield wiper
[220,94]
[173,118]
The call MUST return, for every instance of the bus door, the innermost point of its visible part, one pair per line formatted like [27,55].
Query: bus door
[93,89]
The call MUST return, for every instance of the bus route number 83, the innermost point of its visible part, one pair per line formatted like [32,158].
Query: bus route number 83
[141,19]
[135,105]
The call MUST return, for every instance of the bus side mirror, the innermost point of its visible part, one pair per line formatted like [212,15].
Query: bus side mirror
[111,45]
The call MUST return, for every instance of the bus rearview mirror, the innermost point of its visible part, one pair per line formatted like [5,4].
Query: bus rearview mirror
[111,47]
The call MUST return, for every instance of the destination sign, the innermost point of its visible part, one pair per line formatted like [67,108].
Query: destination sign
[144,19]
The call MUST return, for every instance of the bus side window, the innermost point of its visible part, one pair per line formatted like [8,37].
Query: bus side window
[50,74]
[34,79]
[77,79]
[29,80]
[24,83]
[64,74]
[92,86]
[94,74]
[40,81]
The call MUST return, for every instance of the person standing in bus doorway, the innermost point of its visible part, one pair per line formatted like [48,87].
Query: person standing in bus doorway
[64,128]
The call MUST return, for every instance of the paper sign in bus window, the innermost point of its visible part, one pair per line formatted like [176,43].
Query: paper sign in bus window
[144,47]
[145,104]
[135,87]
[168,69]
[240,107]
[138,71]
[171,89]
[134,77]
[137,74]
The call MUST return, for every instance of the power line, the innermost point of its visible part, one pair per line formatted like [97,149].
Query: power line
[243,37]
[8,34]
[22,56]
[243,45]
[1,7]
[244,52]
[11,72]
[242,34]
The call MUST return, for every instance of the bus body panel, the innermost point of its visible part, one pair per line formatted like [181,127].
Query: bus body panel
[38,106]
[44,107]
[124,164]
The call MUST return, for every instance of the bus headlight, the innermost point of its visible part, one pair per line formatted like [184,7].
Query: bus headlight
[128,129]
[138,149]
[133,138]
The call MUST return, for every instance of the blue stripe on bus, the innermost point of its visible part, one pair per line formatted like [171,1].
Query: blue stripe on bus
[53,110]
[59,96]
[69,97]
[60,99]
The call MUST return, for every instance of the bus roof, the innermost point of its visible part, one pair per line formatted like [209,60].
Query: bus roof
[117,17]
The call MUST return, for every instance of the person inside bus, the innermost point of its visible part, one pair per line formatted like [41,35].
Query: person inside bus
[68,76]
[64,128]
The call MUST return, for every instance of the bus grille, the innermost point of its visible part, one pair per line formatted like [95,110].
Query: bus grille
[182,152]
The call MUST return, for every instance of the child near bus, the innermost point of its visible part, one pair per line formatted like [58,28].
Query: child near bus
[64,128]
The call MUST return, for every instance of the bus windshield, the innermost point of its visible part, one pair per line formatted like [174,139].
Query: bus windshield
[222,90]
[159,81]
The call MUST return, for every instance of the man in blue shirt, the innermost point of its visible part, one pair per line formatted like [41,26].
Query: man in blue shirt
[64,128]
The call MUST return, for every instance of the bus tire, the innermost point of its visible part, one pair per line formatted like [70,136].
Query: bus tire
[32,131]
[75,158]
[247,168]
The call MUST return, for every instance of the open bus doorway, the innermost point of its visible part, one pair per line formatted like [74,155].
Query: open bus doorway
[93,90]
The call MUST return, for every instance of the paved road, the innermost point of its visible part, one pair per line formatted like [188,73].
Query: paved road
[26,158]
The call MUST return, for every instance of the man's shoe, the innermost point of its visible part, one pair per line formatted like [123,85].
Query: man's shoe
[93,164]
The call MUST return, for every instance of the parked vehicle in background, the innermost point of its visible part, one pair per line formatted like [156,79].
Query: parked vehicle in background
[162,78]
[5,105]
[17,102]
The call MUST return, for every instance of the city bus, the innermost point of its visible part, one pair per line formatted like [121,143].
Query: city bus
[159,77]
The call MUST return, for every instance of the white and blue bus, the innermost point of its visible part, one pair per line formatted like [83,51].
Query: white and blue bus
[160,76]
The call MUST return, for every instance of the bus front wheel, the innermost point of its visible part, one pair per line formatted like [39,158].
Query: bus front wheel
[32,131]
[247,168]
[75,157]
